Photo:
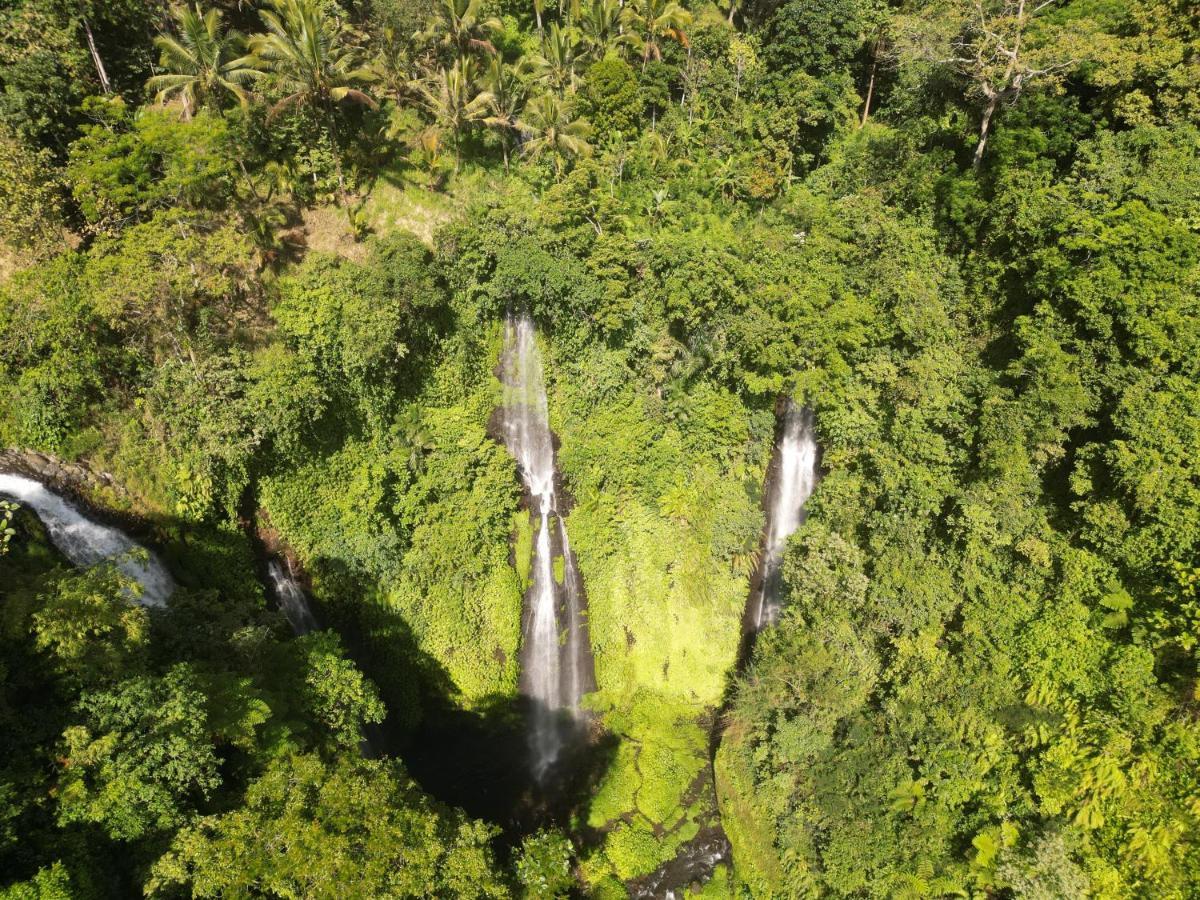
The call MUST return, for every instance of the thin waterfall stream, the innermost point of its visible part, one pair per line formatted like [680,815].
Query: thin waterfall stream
[85,542]
[295,604]
[556,662]
[793,476]
[291,597]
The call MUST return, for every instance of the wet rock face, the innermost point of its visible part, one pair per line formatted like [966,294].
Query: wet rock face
[71,478]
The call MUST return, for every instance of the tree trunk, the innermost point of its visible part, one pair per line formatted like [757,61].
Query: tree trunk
[870,87]
[984,125]
[249,180]
[96,60]
[732,10]
[337,156]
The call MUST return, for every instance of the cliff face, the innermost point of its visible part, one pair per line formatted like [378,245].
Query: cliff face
[749,830]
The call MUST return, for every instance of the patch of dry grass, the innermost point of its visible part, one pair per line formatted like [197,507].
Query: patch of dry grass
[396,204]
[326,229]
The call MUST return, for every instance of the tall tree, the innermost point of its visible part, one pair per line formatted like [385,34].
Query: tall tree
[997,46]
[558,62]
[602,27]
[314,61]
[454,99]
[202,62]
[459,24]
[507,92]
[311,55]
[549,127]
[654,21]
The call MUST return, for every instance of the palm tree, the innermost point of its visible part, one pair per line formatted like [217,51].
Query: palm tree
[655,20]
[456,24]
[202,62]
[559,60]
[507,92]
[311,57]
[451,97]
[548,126]
[601,24]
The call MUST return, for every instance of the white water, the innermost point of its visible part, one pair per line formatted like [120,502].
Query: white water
[293,602]
[85,542]
[553,673]
[795,478]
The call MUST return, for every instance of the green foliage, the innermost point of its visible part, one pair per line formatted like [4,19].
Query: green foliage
[358,324]
[31,220]
[127,166]
[818,38]
[614,100]
[544,865]
[91,627]
[633,850]
[50,883]
[7,531]
[985,679]
[142,759]
[202,62]
[355,826]
[338,695]
[52,353]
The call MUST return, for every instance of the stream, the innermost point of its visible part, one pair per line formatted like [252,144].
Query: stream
[85,542]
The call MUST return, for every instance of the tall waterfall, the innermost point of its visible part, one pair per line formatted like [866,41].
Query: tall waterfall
[794,477]
[555,656]
[85,542]
[293,602]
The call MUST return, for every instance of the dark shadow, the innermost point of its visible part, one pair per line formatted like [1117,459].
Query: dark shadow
[476,759]
[480,760]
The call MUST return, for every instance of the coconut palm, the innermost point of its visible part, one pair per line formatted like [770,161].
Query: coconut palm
[202,63]
[548,127]
[558,62]
[656,20]
[601,25]
[457,24]
[311,56]
[507,91]
[452,97]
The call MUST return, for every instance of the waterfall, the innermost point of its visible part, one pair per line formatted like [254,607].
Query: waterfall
[555,656]
[293,602]
[85,542]
[795,476]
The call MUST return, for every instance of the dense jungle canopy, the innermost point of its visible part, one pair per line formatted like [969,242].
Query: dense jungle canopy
[256,262]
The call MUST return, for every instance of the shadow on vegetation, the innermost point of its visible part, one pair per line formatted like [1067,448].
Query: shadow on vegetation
[477,759]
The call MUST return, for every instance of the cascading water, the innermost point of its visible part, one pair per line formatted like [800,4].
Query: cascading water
[795,476]
[85,542]
[293,602]
[556,658]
